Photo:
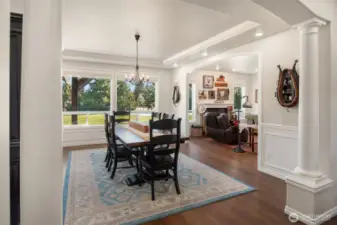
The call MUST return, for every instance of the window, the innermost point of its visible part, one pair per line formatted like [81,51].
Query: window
[139,98]
[191,103]
[84,100]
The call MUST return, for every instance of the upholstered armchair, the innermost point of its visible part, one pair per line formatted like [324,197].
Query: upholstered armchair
[219,127]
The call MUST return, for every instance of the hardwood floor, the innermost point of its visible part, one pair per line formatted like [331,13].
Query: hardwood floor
[262,207]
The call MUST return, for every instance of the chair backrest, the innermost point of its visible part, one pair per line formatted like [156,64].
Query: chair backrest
[106,126]
[113,138]
[167,116]
[161,134]
[122,116]
[155,116]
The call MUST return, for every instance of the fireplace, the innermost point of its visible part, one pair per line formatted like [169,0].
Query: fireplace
[214,107]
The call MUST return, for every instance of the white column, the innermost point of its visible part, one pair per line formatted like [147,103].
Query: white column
[41,120]
[4,117]
[308,113]
[309,188]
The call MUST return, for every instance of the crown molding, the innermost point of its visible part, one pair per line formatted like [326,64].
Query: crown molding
[313,22]
[81,56]
[221,37]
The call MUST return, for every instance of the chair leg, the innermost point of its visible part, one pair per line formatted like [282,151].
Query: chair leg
[130,161]
[110,163]
[167,174]
[152,190]
[108,156]
[114,169]
[176,181]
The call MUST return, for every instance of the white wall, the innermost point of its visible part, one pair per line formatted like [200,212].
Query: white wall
[254,86]
[17,6]
[233,80]
[4,118]
[333,94]
[179,77]
[85,135]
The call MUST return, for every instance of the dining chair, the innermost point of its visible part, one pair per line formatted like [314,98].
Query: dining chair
[118,153]
[155,116]
[167,116]
[122,116]
[157,162]
[107,136]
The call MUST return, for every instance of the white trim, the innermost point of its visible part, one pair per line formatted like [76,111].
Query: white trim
[275,130]
[81,56]
[319,219]
[313,185]
[315,21]
[230,33]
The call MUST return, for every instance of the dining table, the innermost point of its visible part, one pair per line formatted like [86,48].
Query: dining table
[135,140]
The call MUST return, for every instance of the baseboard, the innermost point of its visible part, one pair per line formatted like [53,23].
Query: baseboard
[84,142]
[315,220]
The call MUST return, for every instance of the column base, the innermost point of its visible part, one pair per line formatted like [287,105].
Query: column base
[310,200]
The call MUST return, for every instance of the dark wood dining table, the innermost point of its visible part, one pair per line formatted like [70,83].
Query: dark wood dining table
[135,140]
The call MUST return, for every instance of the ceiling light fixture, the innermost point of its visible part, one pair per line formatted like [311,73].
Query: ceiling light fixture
[136,77]
[205,53]
[259,32]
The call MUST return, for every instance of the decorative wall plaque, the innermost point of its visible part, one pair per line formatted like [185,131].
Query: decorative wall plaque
[287,91]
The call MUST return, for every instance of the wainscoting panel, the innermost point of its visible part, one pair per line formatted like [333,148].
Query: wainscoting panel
[83,135]
[278,150]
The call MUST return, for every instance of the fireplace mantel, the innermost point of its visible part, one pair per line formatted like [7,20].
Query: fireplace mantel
[215,105]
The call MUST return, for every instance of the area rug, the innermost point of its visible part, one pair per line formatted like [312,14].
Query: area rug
[92,198]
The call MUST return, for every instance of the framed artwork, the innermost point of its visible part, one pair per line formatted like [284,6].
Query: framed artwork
[208,81]
[221,82]
[256,95]
[222,94]
[211,94]
[202,95]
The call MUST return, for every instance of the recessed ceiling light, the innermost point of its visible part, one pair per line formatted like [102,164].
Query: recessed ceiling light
[259,32]
[234,70]
[175,65]
[205,53]
[217,67]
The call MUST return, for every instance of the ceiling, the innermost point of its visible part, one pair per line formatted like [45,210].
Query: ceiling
[172,31]
[242,64]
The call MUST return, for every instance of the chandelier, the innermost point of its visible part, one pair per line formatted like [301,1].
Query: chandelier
[136,77]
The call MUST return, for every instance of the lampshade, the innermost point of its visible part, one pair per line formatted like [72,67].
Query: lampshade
[247,103]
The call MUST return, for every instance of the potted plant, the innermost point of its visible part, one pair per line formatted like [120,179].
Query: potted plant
[249,118]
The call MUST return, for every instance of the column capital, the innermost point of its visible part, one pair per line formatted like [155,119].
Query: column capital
[311,23]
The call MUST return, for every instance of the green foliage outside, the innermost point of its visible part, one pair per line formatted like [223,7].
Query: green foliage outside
[96,119]
[135,95]
[94,95]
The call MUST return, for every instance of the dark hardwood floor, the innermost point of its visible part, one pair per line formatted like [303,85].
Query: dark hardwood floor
[262,207]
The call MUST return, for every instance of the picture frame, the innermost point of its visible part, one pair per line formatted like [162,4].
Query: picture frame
[202,95]
[222,94]
[211,94]
[208,81]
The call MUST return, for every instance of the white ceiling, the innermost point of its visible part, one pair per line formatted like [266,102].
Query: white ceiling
[165,26]
[242,64]
[104,29]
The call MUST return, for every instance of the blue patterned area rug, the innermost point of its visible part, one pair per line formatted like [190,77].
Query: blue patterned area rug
[92,198]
